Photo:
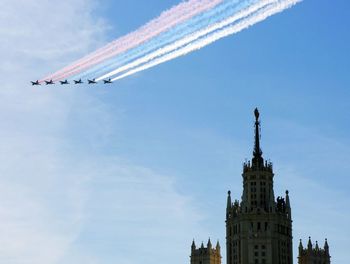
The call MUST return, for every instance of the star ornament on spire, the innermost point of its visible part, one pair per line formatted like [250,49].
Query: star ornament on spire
[256,113]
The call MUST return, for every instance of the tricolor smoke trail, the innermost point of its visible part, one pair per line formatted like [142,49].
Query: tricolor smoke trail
[164,22]
[187,27]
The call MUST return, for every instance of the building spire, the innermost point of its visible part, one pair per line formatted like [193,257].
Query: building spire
[229,202]
[326,247]
[300,247]
[209,246]
[309,244]
[257,153]
[193,246]
[288,209]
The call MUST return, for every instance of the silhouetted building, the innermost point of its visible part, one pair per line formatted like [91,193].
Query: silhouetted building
[205,255]
[259,227]
[314,255]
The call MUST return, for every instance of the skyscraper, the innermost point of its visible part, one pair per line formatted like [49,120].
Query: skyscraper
[259,227]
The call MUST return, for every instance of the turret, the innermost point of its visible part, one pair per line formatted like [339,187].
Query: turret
[229,202]
[314,255]
[205,255]
[218,248]
[209,246]
[288,208]
[309,245]
[326,247]
[193,247]
[300,247]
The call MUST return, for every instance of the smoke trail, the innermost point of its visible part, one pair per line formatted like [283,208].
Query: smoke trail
[166,20]
[189,39]
[204,20]
[245,23]
[173,34]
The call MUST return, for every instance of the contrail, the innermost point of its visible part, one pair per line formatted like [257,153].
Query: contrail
[189,26]
[245,23]
[214,16]
[189,39]
[165,21]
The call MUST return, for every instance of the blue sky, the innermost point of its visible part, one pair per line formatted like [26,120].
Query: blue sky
[134,171]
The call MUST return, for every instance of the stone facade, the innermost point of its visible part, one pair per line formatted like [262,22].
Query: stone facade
[205,255]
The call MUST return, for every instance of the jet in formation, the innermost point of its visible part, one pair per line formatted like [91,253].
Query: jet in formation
[78,81]
[92,81]
[107,81]
[64,82]
[35,83]
[49,82]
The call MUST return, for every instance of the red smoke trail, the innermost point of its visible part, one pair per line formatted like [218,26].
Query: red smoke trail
[164,22]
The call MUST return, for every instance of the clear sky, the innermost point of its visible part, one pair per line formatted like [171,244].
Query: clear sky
[132,172]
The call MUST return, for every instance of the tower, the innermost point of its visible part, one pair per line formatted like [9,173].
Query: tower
[205,255]
[259,227]
[311,255]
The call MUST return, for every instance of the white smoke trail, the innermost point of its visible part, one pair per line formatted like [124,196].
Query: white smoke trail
[219,13]
[260,16]
[112,53]
[165,21]
[188,39]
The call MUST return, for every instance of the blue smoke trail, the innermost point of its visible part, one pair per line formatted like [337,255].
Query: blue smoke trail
[215,15]
[248,20]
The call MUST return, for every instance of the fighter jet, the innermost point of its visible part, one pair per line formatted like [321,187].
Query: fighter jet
[92,81]
[49,82]
[64,82]
[107,81]
[35,83]
[78,82]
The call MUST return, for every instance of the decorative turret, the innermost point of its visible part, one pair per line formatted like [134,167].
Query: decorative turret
[309,244]
[301,248]
[218,248]
[326,247]
[205,255]
[229,202]
[193,247]
[288,208]
[311,255]
[209,246]
[317,247]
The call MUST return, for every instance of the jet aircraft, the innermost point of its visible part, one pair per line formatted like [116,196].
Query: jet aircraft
[78,82]
[35,83]
[107,81]
[92,81]
[49,82]
[64,82]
